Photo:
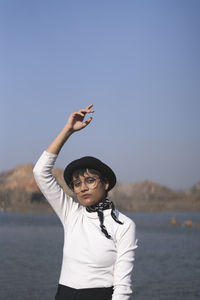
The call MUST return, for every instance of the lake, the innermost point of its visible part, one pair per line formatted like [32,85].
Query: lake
[167,265]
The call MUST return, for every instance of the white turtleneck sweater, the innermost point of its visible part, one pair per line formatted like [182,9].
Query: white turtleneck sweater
[90,259]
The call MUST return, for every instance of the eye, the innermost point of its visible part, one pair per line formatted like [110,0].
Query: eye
[90,180]
[77,183]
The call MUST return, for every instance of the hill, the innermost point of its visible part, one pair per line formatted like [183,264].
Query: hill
[19,192]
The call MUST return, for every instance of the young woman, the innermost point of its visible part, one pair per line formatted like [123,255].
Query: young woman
[99,241]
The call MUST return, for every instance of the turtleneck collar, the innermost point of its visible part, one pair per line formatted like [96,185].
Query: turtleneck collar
[94,215]
[101,208]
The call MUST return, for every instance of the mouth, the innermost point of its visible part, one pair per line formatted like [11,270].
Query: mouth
[86,196]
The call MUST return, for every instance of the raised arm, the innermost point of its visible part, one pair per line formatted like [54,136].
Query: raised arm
[60,202]
[74,123]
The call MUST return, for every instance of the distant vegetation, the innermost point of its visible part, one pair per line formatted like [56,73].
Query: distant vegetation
[19,193]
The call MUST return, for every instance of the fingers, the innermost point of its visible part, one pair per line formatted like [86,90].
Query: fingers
[87,122]
[79,113]
[83,111]
[87,109]
[89,106]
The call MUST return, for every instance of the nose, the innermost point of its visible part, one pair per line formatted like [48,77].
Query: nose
[84,187]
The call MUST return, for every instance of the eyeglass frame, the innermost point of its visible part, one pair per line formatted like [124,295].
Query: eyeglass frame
[98,179]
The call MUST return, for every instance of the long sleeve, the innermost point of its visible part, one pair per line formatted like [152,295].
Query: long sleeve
[126,245]
[60,202]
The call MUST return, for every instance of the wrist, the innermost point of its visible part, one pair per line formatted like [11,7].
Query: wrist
[68,130]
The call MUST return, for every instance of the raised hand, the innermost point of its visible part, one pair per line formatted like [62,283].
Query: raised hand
[76,120]
[74,123]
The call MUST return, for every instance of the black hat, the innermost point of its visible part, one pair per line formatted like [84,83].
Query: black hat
[90,163]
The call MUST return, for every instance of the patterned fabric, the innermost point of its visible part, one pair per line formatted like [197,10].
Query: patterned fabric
[99,208]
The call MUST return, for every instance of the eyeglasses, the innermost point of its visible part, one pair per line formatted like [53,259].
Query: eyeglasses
[89,182]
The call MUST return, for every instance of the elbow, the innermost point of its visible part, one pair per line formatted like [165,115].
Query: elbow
[41,174]
[36,172]
[38,176]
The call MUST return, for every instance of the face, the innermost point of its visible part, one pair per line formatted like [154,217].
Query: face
[89,196]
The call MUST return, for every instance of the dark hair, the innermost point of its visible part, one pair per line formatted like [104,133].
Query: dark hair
[80,172]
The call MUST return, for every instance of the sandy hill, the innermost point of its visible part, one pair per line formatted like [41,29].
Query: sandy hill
[19,192]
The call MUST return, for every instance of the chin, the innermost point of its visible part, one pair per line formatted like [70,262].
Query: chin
[88,202]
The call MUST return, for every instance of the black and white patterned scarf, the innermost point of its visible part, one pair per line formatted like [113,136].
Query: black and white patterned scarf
[99,208]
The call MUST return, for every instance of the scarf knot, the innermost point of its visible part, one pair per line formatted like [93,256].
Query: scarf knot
[99,208]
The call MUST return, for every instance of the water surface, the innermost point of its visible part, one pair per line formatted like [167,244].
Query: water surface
[167,265]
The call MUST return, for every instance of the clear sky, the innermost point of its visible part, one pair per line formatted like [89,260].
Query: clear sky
[138,62]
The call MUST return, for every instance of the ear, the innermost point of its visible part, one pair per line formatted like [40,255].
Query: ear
[106,184]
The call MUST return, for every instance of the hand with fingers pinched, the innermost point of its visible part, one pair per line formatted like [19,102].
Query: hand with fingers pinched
[76,120]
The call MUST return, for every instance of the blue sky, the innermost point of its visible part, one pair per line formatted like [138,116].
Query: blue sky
[138,62]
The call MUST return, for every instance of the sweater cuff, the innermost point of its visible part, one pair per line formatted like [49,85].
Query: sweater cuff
[48,157]
[48,154]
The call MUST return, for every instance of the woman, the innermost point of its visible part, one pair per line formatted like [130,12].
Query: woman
[99,241]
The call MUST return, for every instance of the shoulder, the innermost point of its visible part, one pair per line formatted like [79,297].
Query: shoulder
[127,230]
[125,234]
[128,222]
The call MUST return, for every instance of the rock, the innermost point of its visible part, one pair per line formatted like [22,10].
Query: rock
[188,223]
[174,221]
